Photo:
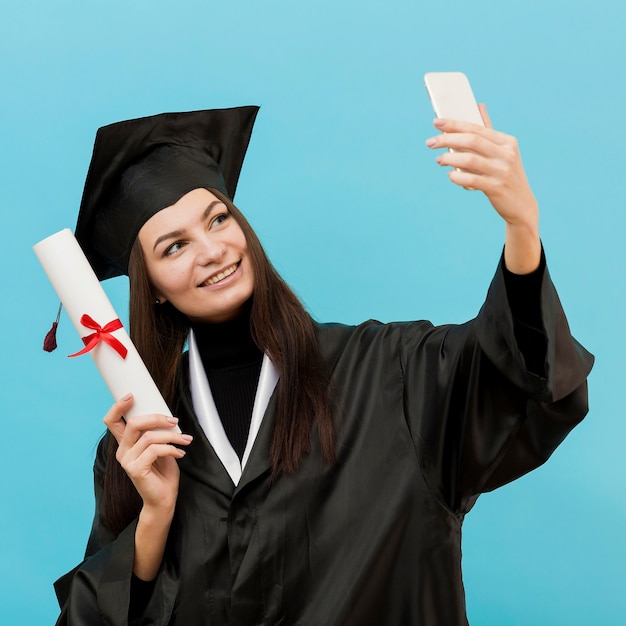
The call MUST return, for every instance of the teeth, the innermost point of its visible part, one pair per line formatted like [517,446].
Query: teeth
[221,275]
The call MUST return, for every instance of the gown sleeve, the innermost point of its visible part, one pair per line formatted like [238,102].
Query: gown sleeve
[102,589]
[490,400]
[524,297]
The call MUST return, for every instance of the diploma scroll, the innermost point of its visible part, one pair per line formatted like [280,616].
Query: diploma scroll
[98,324]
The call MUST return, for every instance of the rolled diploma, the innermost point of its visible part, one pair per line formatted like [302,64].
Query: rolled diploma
[80,292]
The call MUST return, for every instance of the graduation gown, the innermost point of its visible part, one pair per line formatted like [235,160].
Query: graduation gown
[426,419]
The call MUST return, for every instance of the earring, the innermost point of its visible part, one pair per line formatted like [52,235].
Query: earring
[157,301]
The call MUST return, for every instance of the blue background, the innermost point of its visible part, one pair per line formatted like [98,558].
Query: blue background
[358,218]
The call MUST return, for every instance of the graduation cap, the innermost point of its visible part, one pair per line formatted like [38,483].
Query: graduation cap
[141,166]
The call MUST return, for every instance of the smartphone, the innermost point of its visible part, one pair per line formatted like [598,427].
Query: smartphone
[452,97]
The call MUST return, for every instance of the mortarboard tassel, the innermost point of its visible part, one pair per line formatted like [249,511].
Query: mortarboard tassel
[50,341]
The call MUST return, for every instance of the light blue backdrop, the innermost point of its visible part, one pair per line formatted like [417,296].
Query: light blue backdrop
[358,218]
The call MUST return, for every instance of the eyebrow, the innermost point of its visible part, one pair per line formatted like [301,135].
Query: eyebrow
[180,233]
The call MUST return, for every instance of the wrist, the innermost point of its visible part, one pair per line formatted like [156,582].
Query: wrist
[150,538]
[525,216]
[522,249]
[156,516]
[524,233]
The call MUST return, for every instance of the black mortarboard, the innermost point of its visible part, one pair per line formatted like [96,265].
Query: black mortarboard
[141,166]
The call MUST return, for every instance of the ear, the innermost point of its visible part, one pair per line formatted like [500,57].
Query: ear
[159,299]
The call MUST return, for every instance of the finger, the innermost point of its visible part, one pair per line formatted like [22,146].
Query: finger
[114,419]
[137,425]
[475,163]
[468,142]
[474,141]
[456,126]
[492,187]
[468,180]
[482,107]
[154,438]
[142,465]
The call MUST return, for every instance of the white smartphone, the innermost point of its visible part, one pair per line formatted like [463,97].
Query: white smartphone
[452,97]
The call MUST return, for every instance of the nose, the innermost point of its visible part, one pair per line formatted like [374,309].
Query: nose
[210,250]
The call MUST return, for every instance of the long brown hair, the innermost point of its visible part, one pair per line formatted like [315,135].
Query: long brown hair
[280,326]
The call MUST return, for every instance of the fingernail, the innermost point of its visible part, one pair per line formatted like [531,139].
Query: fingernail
[187,437]
[439,121]
[128,396]
[438,160]
[172,420]
[431,142]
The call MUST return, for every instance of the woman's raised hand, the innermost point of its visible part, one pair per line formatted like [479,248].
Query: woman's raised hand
[147,451]
[148,455]
[489,161]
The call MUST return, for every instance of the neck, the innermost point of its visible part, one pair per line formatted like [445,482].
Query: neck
[228,343]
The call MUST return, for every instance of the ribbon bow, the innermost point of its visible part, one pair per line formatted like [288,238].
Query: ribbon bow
[103,333]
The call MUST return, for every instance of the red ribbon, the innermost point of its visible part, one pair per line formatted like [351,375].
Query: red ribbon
[101,334]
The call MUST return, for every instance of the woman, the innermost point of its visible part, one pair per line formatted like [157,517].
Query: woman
[323,471]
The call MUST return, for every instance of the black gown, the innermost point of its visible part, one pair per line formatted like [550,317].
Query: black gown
[426,419]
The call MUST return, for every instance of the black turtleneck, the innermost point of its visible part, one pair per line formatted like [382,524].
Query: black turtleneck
[232,363]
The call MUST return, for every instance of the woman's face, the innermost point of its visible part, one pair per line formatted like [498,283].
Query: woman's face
[197,258]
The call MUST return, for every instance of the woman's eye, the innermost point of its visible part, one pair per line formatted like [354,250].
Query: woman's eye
[220,219]
[175,247]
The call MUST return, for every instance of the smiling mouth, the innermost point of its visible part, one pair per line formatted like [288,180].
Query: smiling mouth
[220,276]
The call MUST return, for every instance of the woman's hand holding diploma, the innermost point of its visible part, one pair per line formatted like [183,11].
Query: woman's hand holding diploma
[489,161]
[148,457]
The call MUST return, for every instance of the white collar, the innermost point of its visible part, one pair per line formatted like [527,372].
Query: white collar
[209,419]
